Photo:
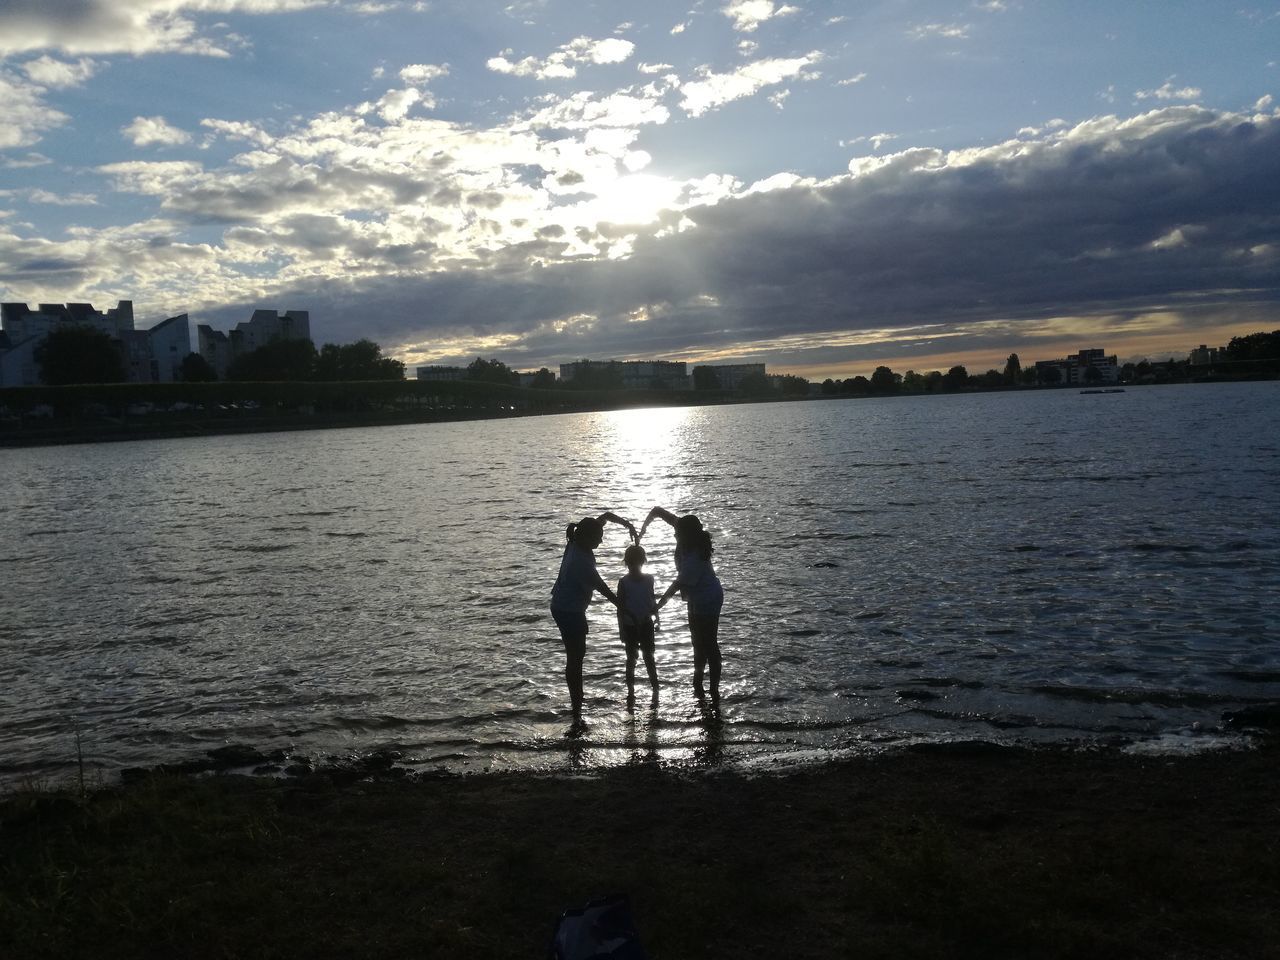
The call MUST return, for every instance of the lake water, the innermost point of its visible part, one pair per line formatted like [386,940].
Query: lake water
[1033,566]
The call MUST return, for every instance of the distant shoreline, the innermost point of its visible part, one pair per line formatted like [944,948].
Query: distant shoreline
[482,402]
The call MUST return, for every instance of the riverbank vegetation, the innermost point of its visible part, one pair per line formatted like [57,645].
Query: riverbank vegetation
[954,851]
[290,386]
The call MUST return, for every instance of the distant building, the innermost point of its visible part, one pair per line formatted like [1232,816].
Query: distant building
[635,374]
[1203,356]
[265,326]
[150,356]
[442,373]
[527,378]
[1074,369]
[730,375]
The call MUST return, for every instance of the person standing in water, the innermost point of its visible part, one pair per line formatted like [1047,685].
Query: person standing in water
[571,595]
[698,584]
[635,592]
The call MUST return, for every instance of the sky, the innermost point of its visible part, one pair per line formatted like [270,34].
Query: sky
[824,187]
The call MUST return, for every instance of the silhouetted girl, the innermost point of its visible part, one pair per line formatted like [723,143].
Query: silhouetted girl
[571,595]
[700,587]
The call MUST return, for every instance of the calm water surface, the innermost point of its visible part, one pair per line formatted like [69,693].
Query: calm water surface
[1047,566]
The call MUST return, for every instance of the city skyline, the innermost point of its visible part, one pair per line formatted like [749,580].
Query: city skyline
[820,189]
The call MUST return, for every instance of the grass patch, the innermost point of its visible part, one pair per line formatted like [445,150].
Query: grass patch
[1032,855]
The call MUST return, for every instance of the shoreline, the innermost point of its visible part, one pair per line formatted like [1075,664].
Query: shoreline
[923,853]
[34,433]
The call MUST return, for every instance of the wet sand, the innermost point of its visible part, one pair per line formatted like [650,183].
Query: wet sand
[940,852]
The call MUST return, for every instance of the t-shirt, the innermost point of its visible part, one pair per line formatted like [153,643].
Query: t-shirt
[576,580]
[636,596]
[699,584]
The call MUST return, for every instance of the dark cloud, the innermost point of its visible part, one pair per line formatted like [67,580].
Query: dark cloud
[1177,210]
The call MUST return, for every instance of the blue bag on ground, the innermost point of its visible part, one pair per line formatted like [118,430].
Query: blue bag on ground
[603,928]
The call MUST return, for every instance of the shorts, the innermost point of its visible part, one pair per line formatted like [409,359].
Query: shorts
[637,637]
[573,630]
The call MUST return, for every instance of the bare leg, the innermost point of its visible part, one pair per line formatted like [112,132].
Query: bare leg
[573,679]
[704,631]
[631,673]
[652,667]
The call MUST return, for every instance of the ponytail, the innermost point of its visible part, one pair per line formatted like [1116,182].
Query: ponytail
[704,545]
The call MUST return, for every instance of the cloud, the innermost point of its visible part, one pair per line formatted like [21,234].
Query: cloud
[876,140]
[154,131]
[134,27]
[562,64]
[856,78]
[147,26]
[1115,219]
[713,90]
[236,130]
[68,200]
[423,72]
[48,72]
[24,116]
[947,31]
[32,159]
[1167,91]
[747,15]
[541,238]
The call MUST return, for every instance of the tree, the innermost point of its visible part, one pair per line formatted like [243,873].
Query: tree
[1050,376]
[276,361]
[1255,346]
[859,386]
[1092,375]
[78,354]
[957,378]
[913,382]
[491,371]
[362,360]
[933,381]
[755,385]
[793,386]
[829,387]
[196,369]
[993,380]
[1013,370]
[706,378]
[543,379]
[882,381]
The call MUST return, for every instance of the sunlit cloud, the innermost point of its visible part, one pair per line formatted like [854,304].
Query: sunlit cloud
[747,15]
[946,31]
[563,63]
[713,90]
[1167,91]
[49,72]
[154,131]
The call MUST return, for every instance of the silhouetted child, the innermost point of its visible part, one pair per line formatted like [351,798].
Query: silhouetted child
[635,595]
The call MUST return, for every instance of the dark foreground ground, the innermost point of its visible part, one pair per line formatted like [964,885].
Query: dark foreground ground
[923,854]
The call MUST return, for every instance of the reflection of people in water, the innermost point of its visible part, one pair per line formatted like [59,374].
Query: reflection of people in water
[700,587]
[571,595]
[635,593]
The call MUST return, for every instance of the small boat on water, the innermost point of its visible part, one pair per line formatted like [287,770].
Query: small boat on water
[1107,390]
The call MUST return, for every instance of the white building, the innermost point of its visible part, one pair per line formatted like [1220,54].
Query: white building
[1074,369]
[730,375]
[265,326]
[634,374]
[149,356]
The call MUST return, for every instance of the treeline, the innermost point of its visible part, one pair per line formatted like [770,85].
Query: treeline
[79,354]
